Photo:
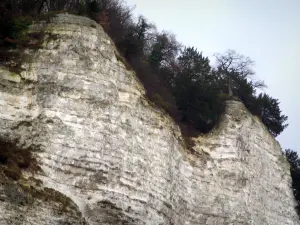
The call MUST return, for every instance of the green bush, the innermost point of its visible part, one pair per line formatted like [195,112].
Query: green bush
[20,28]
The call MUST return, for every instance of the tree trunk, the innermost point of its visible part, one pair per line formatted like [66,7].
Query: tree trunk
[229,86]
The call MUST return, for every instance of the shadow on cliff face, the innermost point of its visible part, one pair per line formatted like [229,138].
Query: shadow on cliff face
[21,191]
[14,159]
[106,212]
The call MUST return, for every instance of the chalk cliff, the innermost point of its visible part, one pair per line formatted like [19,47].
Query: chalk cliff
[107,156]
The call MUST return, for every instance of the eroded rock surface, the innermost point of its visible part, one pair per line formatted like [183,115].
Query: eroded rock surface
[122,161]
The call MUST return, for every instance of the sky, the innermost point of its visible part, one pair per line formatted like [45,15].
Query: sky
[268,31]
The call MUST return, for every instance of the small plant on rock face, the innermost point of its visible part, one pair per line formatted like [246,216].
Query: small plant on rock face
[159,101]
[21,25]
[17,33]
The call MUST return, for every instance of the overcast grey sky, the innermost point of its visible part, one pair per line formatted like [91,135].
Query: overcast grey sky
[268,31]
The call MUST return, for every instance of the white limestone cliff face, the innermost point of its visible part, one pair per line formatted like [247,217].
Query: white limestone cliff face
[118,159]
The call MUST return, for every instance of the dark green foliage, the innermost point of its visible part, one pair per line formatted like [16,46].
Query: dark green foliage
[294,162]
[10,26]
[185,85]
[193,65]
[196,91]
[270,114]
[156,56]
[164,50]
[16,15]
[19,27]
[134,40]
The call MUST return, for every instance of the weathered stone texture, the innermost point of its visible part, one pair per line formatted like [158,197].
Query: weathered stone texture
[121,160]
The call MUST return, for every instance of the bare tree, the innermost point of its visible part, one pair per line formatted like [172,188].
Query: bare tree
[231,63]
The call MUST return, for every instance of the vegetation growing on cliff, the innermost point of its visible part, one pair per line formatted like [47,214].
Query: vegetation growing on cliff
[179,79]
[294,162]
